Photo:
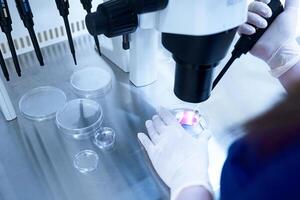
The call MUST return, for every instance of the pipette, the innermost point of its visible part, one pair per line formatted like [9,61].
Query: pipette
[26,15]
[5,23]
[63,7]
[246,43]
[3,67]
[87,5]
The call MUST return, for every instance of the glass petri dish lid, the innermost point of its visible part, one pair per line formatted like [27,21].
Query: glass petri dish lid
[91,82]
[80,118]
[42,103]
[86,161]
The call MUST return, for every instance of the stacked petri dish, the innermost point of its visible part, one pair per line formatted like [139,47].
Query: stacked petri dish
[80,118]
[91,82]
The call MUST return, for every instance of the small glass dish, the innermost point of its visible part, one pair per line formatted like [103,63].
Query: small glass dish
[80,118]
[86,161]
[105,138]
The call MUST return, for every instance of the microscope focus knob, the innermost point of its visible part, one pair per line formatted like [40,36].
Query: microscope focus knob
[112,18]
[120,17]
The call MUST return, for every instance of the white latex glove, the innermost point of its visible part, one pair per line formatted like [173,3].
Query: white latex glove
[179,159]
[278,46]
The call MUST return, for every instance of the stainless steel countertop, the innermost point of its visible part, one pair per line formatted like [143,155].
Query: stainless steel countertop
[36,160]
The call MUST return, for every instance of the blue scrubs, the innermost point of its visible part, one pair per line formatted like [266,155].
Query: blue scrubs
[249,175]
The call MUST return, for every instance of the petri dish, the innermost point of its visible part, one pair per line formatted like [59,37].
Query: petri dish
[86,161]
[91,82]
[42,103]
[105,138]
[191,120]
[80,118]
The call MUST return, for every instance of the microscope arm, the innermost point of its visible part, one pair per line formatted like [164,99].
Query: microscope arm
[5,104]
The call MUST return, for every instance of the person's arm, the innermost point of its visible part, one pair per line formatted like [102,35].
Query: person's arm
[194,193]
[291,77]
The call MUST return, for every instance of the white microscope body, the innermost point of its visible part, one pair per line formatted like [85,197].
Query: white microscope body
[5,104]
[187,17]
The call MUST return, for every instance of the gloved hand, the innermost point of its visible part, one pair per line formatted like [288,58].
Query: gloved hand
[179,159]
[278,46]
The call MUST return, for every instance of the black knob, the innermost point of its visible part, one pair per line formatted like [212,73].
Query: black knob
[119,17]
[145,6]
[96,23]
[112,18]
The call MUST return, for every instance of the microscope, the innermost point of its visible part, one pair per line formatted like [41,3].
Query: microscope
[198,34]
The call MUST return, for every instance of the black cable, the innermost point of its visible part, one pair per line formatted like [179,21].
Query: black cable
[97,45]
[87,5]
[13,53]
[3,67]
[223,72]
[26,16]
[63,8]
[69,34]
[36,46]
[6,27]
